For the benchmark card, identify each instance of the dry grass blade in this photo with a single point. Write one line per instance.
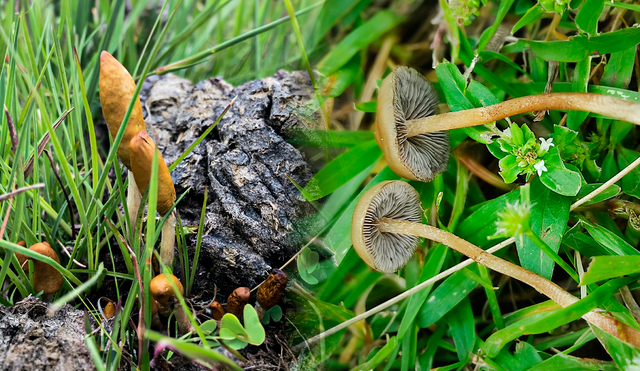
(29, 166)
(12, 194)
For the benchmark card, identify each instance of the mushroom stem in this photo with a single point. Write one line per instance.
(605, 105)
(544, 286)
(184, 325)
(133, 200)
(167, 242)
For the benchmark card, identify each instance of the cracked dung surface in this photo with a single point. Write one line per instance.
(31, 340)
(254, 215)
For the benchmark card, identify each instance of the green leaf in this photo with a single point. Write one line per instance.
(191, 351)
(336, 83)
(509, 168)
(275, 314)
(530, 16)
(579, 84)
(481, 224)
(230, 328)
(489, 32)
(631, 181)
(463, 330)
(609, 192)
(625, 355)
(606, 267)
(208, 327)
(367, 106)
(579, 47)
(619, 68)
(357, 40)
(441, 301)
(330, 138)
(380, 356)
(307, 263)
(253, 326)
(562, 361)
(557, 177)
(342, 169)
(434, 261)
(587, 18)
(549, 217)
(607, 239)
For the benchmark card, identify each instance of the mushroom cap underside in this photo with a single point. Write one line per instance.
(407, 95)
(385, 252)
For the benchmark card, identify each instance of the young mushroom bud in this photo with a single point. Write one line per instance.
(116, 91)
(237, 300)
(272, 289)
(385, 227)
(413, 137)
(45, 277)
(142, 151)
(163, 292)
(217, 311)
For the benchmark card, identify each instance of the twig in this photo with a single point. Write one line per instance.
(451, 270)
(12, 194)
(66, 195)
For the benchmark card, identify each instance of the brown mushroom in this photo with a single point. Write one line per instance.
(45, 277)
(163, 292)
(414, 139)
(272, 289)
(237, 300)
(216, 309)
(117, 88)
(142, 151)
(384, 226)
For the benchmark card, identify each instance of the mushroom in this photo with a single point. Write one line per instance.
(163, 292)
(414, 139)
(385, 230)
(45, 277)
(216, 309)
(142, 150)
(271, 291)
(237, 300)
(116, 91)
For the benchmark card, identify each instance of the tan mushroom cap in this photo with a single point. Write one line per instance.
(385, 252)
(161, 289)
(45, 277)
(407, 95)
(116, 90)
(237, 300)
(142, 150)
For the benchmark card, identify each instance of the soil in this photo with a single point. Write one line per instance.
(31, 339)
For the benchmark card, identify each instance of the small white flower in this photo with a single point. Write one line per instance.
(539, 166)
(545, 144)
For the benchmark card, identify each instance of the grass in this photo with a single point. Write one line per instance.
(435, 312)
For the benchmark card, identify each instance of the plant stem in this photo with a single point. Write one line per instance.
(598, 103)
(543, 285)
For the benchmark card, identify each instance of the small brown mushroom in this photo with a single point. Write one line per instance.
(384, 226)
(217, 311)
(45, 277)
(142, 151)
(116, 91)
(414, 139)
(237, 300)
(164, 294)
(272, 289)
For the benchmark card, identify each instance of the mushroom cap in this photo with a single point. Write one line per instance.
(385, 252)
(116, 90)
(45, 277)
(237, 300)
(407, 95)
(217, 311)
(272, 290)
(142, 149)
(161, 289)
